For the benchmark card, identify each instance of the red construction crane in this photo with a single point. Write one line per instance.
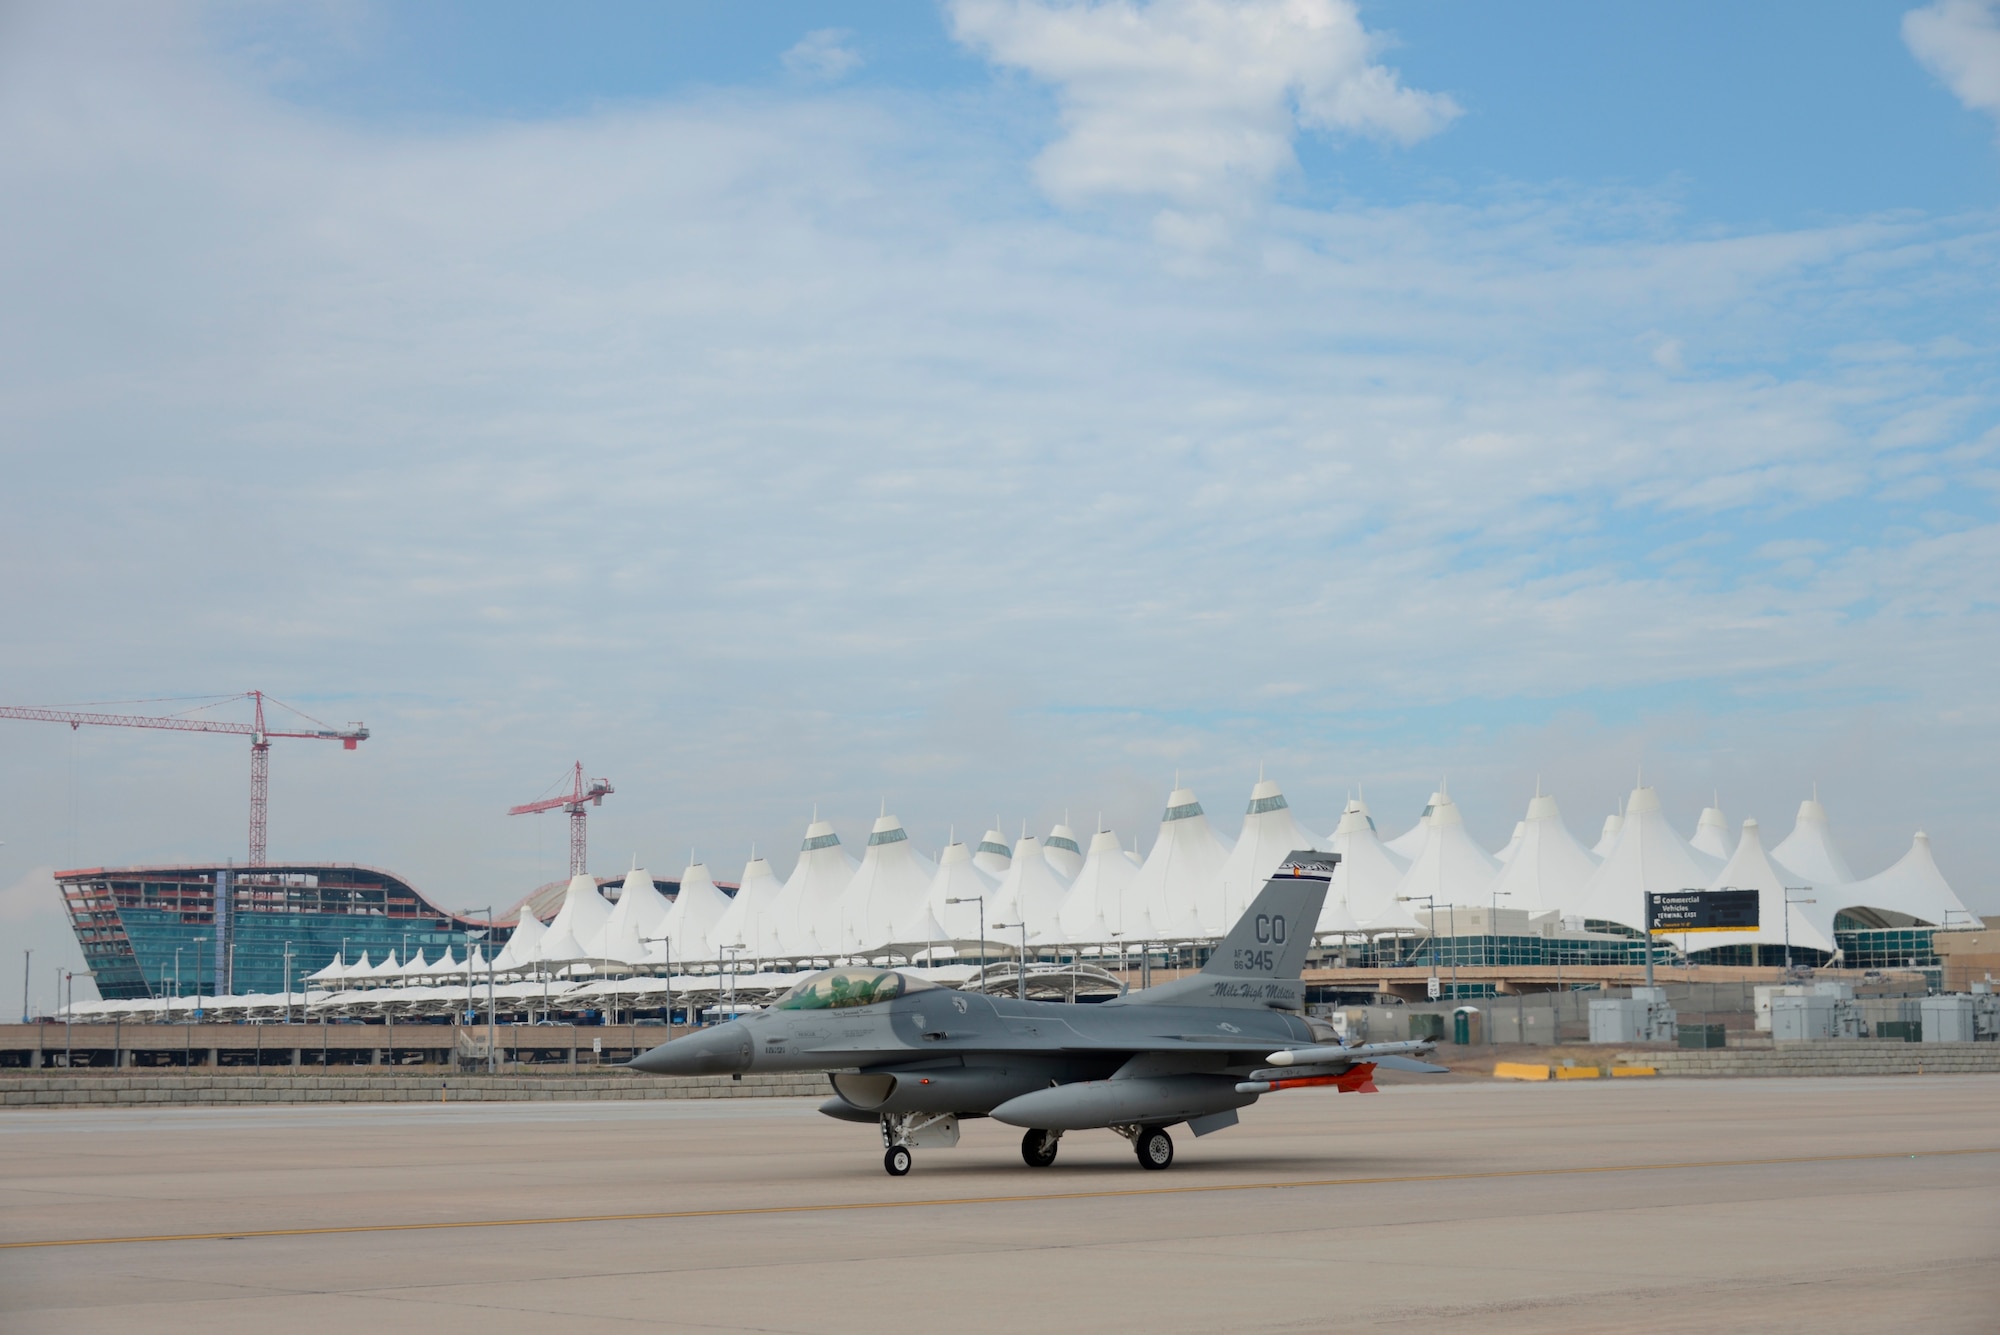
(572, 802)
(260, 743)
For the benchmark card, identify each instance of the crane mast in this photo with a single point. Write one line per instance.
(582, 795)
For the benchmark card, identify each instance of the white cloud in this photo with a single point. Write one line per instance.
(1959, 42)
(751, 451)
(823, 54)
(1195, 101)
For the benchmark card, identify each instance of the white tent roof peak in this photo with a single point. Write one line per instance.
(524, 945)
(1180, 881)
(993, 853)
(1750, 868)
(1607, 839)
(1711, 833)
(1363, 888)
(1513, 842)
(1270, 834)
(1548, 869)
(690, 924)
(1450, 867)
(883, 903)
(578, 927)
(959, 877)
(752, 914)
(1407, 844)
(1809, 850)
(1099, 908)
(808, 909)
(1032, 892)
(1649, 857)
(1914, 885)
(1063, 851)
(640, 905)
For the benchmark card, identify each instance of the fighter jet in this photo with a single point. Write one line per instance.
(917, 1059)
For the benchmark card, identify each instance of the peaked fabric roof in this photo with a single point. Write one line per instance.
(1364, 881)
(578, 930)
(1808, 850)
(1411, 841)
(1450, 868)
(1549, 868)
(1650, 857)
(1270, 833)
(1100, 909)
(959, 877)
(1913, 885)
(524, 944)
(1506, 855)
(1181, 880)
(993, 854)
(1032, 892)
(1064, 853)
(809, 904)
(1711, 834)
(752, 916)
(1607, 838)
(886, 892)
(691, 922)
(1749, 868)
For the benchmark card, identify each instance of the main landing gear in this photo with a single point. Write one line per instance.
(1038, 1148)
(1155, 1148)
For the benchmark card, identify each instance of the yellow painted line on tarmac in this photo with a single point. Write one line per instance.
(1107, 1194)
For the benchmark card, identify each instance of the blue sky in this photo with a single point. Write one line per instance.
(995, 408)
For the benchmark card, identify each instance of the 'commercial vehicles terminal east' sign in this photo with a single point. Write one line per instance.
(1679, 911)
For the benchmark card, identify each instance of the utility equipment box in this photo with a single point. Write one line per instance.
(1814, 1017)
(1644, 1017)
(1704, 1036)
(1950, 1019)
(1427, 1025)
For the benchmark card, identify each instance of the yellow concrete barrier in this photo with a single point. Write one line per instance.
(1577, 1073)
(1634, 1070)
(1519, 1071)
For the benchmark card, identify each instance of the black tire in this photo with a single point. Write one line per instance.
(1038, 1149)
(896, 1160)
(1155, 1149)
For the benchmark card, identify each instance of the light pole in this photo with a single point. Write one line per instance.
(1430, 907)
(27, 962)
(667, 957)
(729, 953)
(1789, 901)
(199, 978)
(69, 981)
(492, 1023)
(1022, 981)
(1493, 927)
(981, 901)
(288, 982)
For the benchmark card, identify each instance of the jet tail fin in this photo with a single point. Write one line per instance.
(1259, 962)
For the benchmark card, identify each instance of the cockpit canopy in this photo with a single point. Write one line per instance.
(836, 989)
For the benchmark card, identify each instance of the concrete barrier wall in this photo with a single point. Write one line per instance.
(136, 1088)
(1832, 1057)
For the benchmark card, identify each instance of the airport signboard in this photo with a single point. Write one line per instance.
(1677, 911)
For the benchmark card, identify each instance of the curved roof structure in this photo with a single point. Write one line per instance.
(809, 904)
(1912, 885)
(1062, 850)
(690, 924)
(993, 856)
(885, 895)
(1549, 868)
(1711, 834)
(578, 930)
(1270, 833)
(1450, 868)
(1607, 838)
(959, 877)
(1649, 857)
(1750, 868)
(1031, 892)
(1181, 880)
(1362, 890)
(1411, 841)
(640, 913)
(1099, 909)
(752, 916)
(1808, 851)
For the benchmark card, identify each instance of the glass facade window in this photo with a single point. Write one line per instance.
(820, 841)
(1258, 806)
(895, 836)
(1182, 812)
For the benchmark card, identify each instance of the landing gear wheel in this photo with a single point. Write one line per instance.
(1038, 1148)
(1155, 1147)
(897, 1160)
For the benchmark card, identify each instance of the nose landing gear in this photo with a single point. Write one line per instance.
(896, 1160)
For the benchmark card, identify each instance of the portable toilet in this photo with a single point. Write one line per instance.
(1466, 1027)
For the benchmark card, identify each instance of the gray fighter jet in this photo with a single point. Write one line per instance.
(917, 1058)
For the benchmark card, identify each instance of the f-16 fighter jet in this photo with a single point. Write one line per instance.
(917, 1058)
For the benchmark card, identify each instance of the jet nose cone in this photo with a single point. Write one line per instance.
(717, 1051)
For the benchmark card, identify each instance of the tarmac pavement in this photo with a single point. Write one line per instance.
(1643, 1205)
